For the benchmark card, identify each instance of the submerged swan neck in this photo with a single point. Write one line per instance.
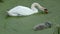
(34, 5)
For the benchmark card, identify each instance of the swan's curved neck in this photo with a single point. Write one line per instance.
(33, 6)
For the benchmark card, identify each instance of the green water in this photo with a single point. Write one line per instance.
(23, 25)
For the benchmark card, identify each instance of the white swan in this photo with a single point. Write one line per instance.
(24, 11)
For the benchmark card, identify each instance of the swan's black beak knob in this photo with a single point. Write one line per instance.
(46, 11)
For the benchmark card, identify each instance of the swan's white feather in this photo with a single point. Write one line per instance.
(21, 11)
(24, 11)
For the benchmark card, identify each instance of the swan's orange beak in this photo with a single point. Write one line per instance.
(46, 11)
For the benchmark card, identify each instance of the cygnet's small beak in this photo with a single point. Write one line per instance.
(46, 11)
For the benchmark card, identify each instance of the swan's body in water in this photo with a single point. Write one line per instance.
(25, 11)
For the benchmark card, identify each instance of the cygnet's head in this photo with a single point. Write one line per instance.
(48, 24)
